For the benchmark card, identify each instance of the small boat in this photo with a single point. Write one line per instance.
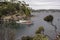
(28, 22)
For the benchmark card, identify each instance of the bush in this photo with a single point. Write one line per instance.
(41, 29)
(40, 37)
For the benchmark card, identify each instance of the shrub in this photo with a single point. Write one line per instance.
(41, 29)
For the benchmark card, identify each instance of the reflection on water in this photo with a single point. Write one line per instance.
(38, 21)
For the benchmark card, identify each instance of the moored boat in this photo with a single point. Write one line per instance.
(27, 22)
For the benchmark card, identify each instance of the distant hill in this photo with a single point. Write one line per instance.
(52, 10)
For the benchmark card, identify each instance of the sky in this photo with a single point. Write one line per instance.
(43, 4)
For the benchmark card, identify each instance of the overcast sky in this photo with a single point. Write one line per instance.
(44, 4)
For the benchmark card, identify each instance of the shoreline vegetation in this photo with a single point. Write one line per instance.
(14, 11)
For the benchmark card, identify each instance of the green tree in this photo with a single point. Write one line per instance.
(25, 9)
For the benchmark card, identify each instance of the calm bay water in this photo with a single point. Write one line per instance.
(38, 21)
